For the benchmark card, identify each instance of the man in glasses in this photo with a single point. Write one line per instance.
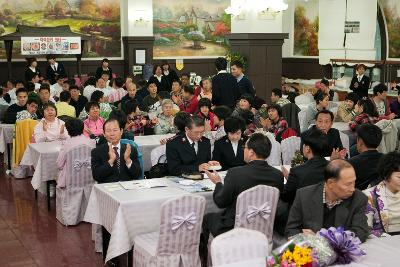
(190, 152)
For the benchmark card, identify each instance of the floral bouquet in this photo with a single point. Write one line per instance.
(327, 247)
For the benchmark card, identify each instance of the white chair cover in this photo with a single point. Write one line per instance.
(156, 155)
(345, 141)
(72, 200)
(177, 243)
(255, 209)
(240, 247)
(302, 118)
(389, 136)
(289, 147)
(274, 158)
(304, 99)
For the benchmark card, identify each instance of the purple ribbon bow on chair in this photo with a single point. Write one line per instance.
(78, 164)
(189, 220)
(264, 211)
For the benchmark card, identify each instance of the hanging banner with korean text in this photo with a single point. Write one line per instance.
(50, 45)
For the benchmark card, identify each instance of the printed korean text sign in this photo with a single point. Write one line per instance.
(50, 45)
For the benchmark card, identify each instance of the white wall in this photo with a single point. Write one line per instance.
(131, 12)
(249, 22)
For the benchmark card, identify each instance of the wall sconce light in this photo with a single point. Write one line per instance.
(141, 18)
(266, 9)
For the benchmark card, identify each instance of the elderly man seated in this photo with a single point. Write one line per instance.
(332, 203)
(189, 152)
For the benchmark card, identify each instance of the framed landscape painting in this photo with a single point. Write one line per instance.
(190, 28)
(99, 19)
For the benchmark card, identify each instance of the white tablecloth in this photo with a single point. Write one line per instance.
(380, 252)
(147, 143)
(43, 157)
(128, 213)
(6, 137)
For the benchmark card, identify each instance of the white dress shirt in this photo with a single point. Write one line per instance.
(118, 146)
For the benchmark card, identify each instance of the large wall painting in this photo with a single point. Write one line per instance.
(99, 19)
(306, 21)
(190, 28)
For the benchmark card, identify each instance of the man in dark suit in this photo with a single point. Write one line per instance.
(238, 179)
(189, 152)
(245, 85)
(225, 90)
(228, 150)
(113, 161)
(312, 171)
(54, 69)
(365, 164)
(105, 67)
(360, 83)
(332, 203)
(324, 122)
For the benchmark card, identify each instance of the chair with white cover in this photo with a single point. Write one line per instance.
(255, 209)
(239, 247)
(345, 141)
(289, 147)
(177, 242)
(274, 158)
(389, 136)
(302, 119)
(157, 154)
(304, 99)
(72, 200)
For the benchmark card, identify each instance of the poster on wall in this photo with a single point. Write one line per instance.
(306, 21)
(99, 19)
(50, 45)
(190, 28)
(391, 10)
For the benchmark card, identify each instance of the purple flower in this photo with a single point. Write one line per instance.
(345, 244)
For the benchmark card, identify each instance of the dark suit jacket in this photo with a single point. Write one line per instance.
(104, 173)
(246, 87)
(170, 78)
(333, 139)
(237, 180)
(366, 165)
(99, 72)
(363, 86)
(225, 90)
(161, 86)
(309, 173)
(223, 153)
(51, 73)
(181, 156)
(29, 74)
(307, 212)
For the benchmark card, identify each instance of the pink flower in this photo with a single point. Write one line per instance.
(270, 261)
(284, 264)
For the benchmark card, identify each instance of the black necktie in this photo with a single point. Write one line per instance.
(194, 149)
(117, 159)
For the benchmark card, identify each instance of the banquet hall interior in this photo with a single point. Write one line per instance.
(199, 133)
